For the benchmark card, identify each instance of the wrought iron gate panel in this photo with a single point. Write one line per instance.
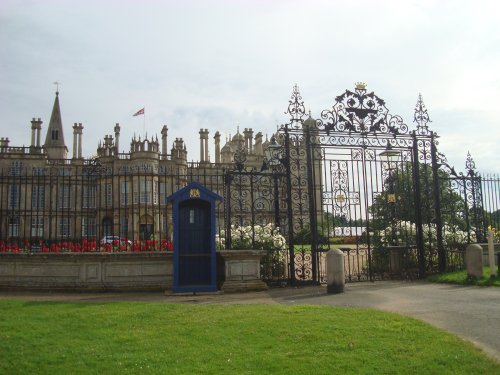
(462, 213)
(255, 210)
(348, 181)
(302, 259)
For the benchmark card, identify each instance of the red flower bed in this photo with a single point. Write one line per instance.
(86, 246)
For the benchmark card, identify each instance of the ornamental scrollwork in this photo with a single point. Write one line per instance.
(362, 113)
(240, 158)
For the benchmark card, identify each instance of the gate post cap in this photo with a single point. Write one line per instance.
(335, 251)
(474, 246)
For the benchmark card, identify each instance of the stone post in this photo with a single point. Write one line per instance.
(335, 274)
(491, 254)
(396, 258)
(474, 260)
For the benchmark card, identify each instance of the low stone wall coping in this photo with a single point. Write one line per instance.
(86, 271)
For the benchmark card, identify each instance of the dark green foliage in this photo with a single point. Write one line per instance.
(304, 236)
(400, 183)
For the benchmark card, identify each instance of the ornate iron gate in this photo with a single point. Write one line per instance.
(358, 179)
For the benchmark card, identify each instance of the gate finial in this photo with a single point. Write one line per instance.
(470, 165)
(296, 107)
(421, 117)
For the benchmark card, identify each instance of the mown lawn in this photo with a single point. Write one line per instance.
(117, 338)
(461, 278)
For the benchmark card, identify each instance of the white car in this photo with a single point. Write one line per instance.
(115, 239)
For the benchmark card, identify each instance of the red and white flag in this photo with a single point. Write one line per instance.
(139, 112)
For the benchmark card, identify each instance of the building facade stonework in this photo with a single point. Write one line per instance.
(47, 195)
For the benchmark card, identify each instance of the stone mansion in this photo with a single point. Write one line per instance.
(50, 193)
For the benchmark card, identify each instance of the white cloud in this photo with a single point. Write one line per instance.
(211, 64)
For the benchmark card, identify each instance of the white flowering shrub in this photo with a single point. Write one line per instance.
(260, 237)
(404, 233)
(257, 237)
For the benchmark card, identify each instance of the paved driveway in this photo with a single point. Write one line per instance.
(472, 313)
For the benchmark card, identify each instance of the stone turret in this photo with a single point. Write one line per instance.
(77, 140)
(4, 144)
(266, 143)
(217, 147)
(248, 135)
(164, 134)
(258, 144)
(36, 127)
(179, 152)
(310, 124)
(117, 137)
(107, 148)
(54, 141)
(144, 149)
(203, 145)
(238, 140)
(227, 154)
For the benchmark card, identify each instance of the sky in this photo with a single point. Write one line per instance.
(222, 64)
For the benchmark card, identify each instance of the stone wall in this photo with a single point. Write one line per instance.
(87, 272)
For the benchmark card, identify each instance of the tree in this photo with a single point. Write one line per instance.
(397, 201)
(492, 219)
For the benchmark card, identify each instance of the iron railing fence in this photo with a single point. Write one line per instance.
(68, 202)
(357, 178)
(490, 187)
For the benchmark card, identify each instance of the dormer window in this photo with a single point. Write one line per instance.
(55, 135)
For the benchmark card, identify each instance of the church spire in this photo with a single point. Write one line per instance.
(54, 140)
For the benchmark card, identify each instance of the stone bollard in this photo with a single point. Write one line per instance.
(491, 254)
(396, 258)
(335, 276)
(474, 260)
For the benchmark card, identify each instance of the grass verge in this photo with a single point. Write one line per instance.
(461, 278)
(117, 338)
